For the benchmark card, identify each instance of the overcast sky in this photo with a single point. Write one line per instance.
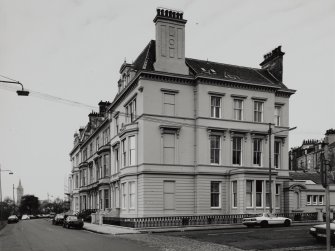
(73, 50)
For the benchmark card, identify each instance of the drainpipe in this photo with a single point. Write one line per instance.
(195, 138)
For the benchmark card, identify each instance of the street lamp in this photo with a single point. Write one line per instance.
(19, 92)
(10, 172)
(270, 160)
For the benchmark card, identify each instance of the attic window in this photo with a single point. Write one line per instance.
(203, 69)
(212, 71)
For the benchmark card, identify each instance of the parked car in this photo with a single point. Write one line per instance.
(58, 219)
(73, 221)
(266, 219)
(25, 217)
(319, 231)
(12, 219)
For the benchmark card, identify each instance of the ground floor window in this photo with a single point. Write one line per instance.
(259, 193)
(106, 198)
(234, 194)
(169, 195)
(132, 193)
(277, 195)
(215, 194)
(124, 196)
(249, 193)
(315, 200)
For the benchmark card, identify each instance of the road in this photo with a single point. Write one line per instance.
(41, 235)
(258, 238)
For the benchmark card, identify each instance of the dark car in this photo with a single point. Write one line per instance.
(73, 221)
(12, 219)
(319, 231)
(58, 219)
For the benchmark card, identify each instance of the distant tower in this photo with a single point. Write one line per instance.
(19, 193)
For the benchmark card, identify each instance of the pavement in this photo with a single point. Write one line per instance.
(118, 230)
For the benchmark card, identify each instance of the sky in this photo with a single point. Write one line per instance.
(69, 51)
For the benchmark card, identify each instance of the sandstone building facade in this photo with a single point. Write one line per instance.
(184, 136)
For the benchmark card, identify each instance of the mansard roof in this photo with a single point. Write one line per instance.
(208, 69)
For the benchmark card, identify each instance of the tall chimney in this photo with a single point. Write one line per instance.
(273, 61)
(170, 41)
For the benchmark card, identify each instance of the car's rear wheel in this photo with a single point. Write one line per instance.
(287, 223)
(264, 224)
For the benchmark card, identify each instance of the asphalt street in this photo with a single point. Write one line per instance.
(41, 235)
(258, 238)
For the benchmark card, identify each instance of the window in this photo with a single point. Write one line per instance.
(116, 157)
(169, 104)
(132, 151)
(131, 111)
(277, 116)
(315, 199)
(97, 169)
(237, 150)
(267, 195)
(238, 109)
(215, 107)
(100, 199)
(215, 149)
(169, 195)
(234, 194)
(117, 197)
(277, 195)
(258, 111)
(85, 154)
(309, 199)
(168, 148)
(124, 153)
(106, 136)
(277, 154)
(257, 154)
(106, 198)
(215, 194)
(132, 190)
(83, 177)
(259, 193)
(91, 149)
(97, 143)
(76, 181)
(117, 125)
(91, 174)
(249, 195)
(105, 166)
(124, 196)
(321, 199)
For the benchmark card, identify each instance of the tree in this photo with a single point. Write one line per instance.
(7, 208)
(29, 205)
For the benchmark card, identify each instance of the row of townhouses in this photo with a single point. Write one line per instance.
(186, 136)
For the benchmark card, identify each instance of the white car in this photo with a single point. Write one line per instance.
(25, 217)
(266, 219)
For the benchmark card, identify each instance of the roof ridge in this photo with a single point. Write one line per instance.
(264, 77)
(226, 64)
(147, 55)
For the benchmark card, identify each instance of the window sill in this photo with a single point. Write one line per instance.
(215, 208)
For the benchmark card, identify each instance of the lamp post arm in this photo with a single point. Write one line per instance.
(12, 82)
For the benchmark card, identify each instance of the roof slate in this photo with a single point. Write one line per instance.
(221, 71)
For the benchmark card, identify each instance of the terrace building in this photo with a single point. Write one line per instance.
(185, 136)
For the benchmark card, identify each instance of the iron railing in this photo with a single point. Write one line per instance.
(180, 221)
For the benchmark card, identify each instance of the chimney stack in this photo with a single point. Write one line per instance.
(273, 61)
(170, 41)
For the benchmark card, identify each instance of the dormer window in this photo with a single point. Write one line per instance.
(203, 69)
